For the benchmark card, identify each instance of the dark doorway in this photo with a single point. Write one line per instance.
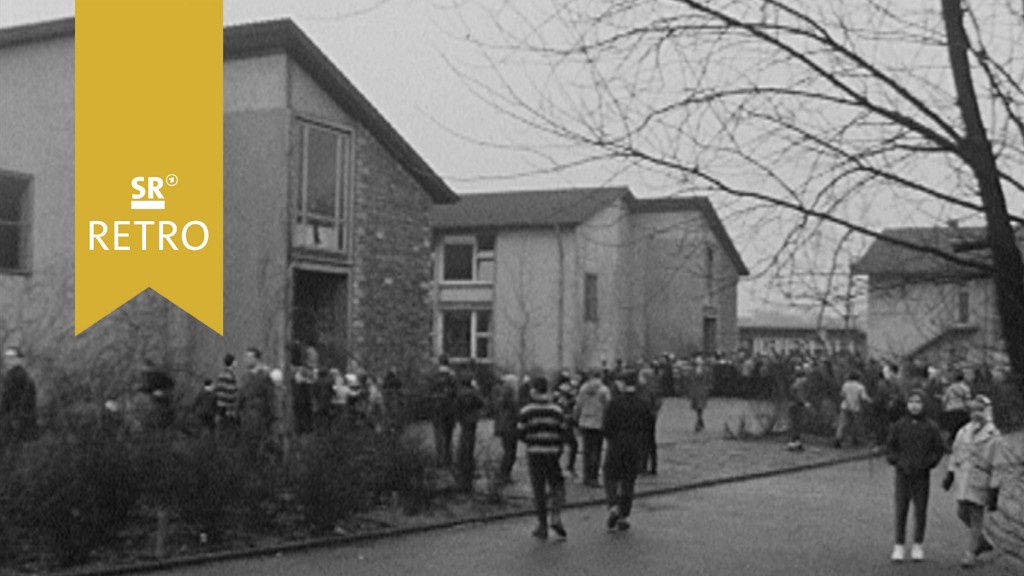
(320, 315)
(710, 335)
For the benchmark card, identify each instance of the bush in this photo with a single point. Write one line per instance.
(74, 492)
(406, 473)
(336, 471)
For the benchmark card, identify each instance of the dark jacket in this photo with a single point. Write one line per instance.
(915, 445)
(625, 429)
(17, 405)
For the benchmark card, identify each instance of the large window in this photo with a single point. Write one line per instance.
(469, 258)
(321, 211)
(590, 298)
(466, 334)
(14, 222)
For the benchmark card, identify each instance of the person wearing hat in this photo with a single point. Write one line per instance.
(970, 475)
(914, 447)
(625, 429)
(542, 428)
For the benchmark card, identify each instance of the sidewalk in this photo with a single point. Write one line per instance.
(686, 460)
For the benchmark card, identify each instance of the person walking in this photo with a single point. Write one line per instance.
(17, 399)
(542, 428)
(955, 398)
(625, 429)
(799, 406)
(700, 389)
(970, 475)
(651, 394)
(468, 406)
(851, 410)
(591, 403)
(442, 397)
(506, 415)
(565, 396)
(914, 447)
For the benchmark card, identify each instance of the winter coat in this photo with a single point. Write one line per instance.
(915, 445)
(700, 388)
(972, 462)
(591, 403)
(625, 428)
(506, 407)
(17, 405)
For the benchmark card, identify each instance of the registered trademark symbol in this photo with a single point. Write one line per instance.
(172, 180)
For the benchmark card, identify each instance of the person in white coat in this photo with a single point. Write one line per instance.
(970, 475)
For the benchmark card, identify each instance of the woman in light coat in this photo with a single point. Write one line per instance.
(970, 474)
(591, 402)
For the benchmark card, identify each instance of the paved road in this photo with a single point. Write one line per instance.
(832, 521)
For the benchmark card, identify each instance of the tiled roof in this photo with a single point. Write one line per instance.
(886, 258)
(525, 209)
(284, 36)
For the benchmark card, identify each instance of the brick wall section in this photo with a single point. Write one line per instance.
(391, 314)
(1006, 526)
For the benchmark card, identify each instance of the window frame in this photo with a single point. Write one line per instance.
(478, 256)
(474, 334)
(344, 188)
(24, 226)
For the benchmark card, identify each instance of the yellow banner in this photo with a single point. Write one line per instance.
(149, 129)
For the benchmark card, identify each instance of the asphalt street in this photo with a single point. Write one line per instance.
(831, 521)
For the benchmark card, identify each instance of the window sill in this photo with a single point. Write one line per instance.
(314, 255)
(465, 283)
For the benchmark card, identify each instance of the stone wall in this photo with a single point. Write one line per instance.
(391, 312)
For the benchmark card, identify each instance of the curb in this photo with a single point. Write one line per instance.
(328, 541)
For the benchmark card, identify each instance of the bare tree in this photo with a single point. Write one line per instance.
(850, 117)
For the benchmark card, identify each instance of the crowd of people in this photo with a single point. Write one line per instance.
(605, 418)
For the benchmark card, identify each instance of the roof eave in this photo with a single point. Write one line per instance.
(274, 36)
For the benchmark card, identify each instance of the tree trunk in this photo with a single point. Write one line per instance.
(976, 149)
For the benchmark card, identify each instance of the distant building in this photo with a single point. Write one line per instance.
(922, 306)
(783, 335)
(577, 277)
(326, 232)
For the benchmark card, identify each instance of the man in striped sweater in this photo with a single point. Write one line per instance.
(542, 428)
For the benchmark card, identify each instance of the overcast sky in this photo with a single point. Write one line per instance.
(400, 54)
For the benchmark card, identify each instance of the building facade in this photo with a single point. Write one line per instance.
(774, 337)
(327, 238)
(920, 306)
(541, 280)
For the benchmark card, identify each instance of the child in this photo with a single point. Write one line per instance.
(914, 447)
(542, 428)
(970, 470)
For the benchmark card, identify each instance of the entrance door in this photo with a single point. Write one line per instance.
(320, 315)
(710, 335)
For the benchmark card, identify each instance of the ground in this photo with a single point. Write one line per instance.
(834, 521)
(831, 520)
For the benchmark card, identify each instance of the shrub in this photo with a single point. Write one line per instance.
(336, 469)
(408, 460)
(208, 478)
(74, 492)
